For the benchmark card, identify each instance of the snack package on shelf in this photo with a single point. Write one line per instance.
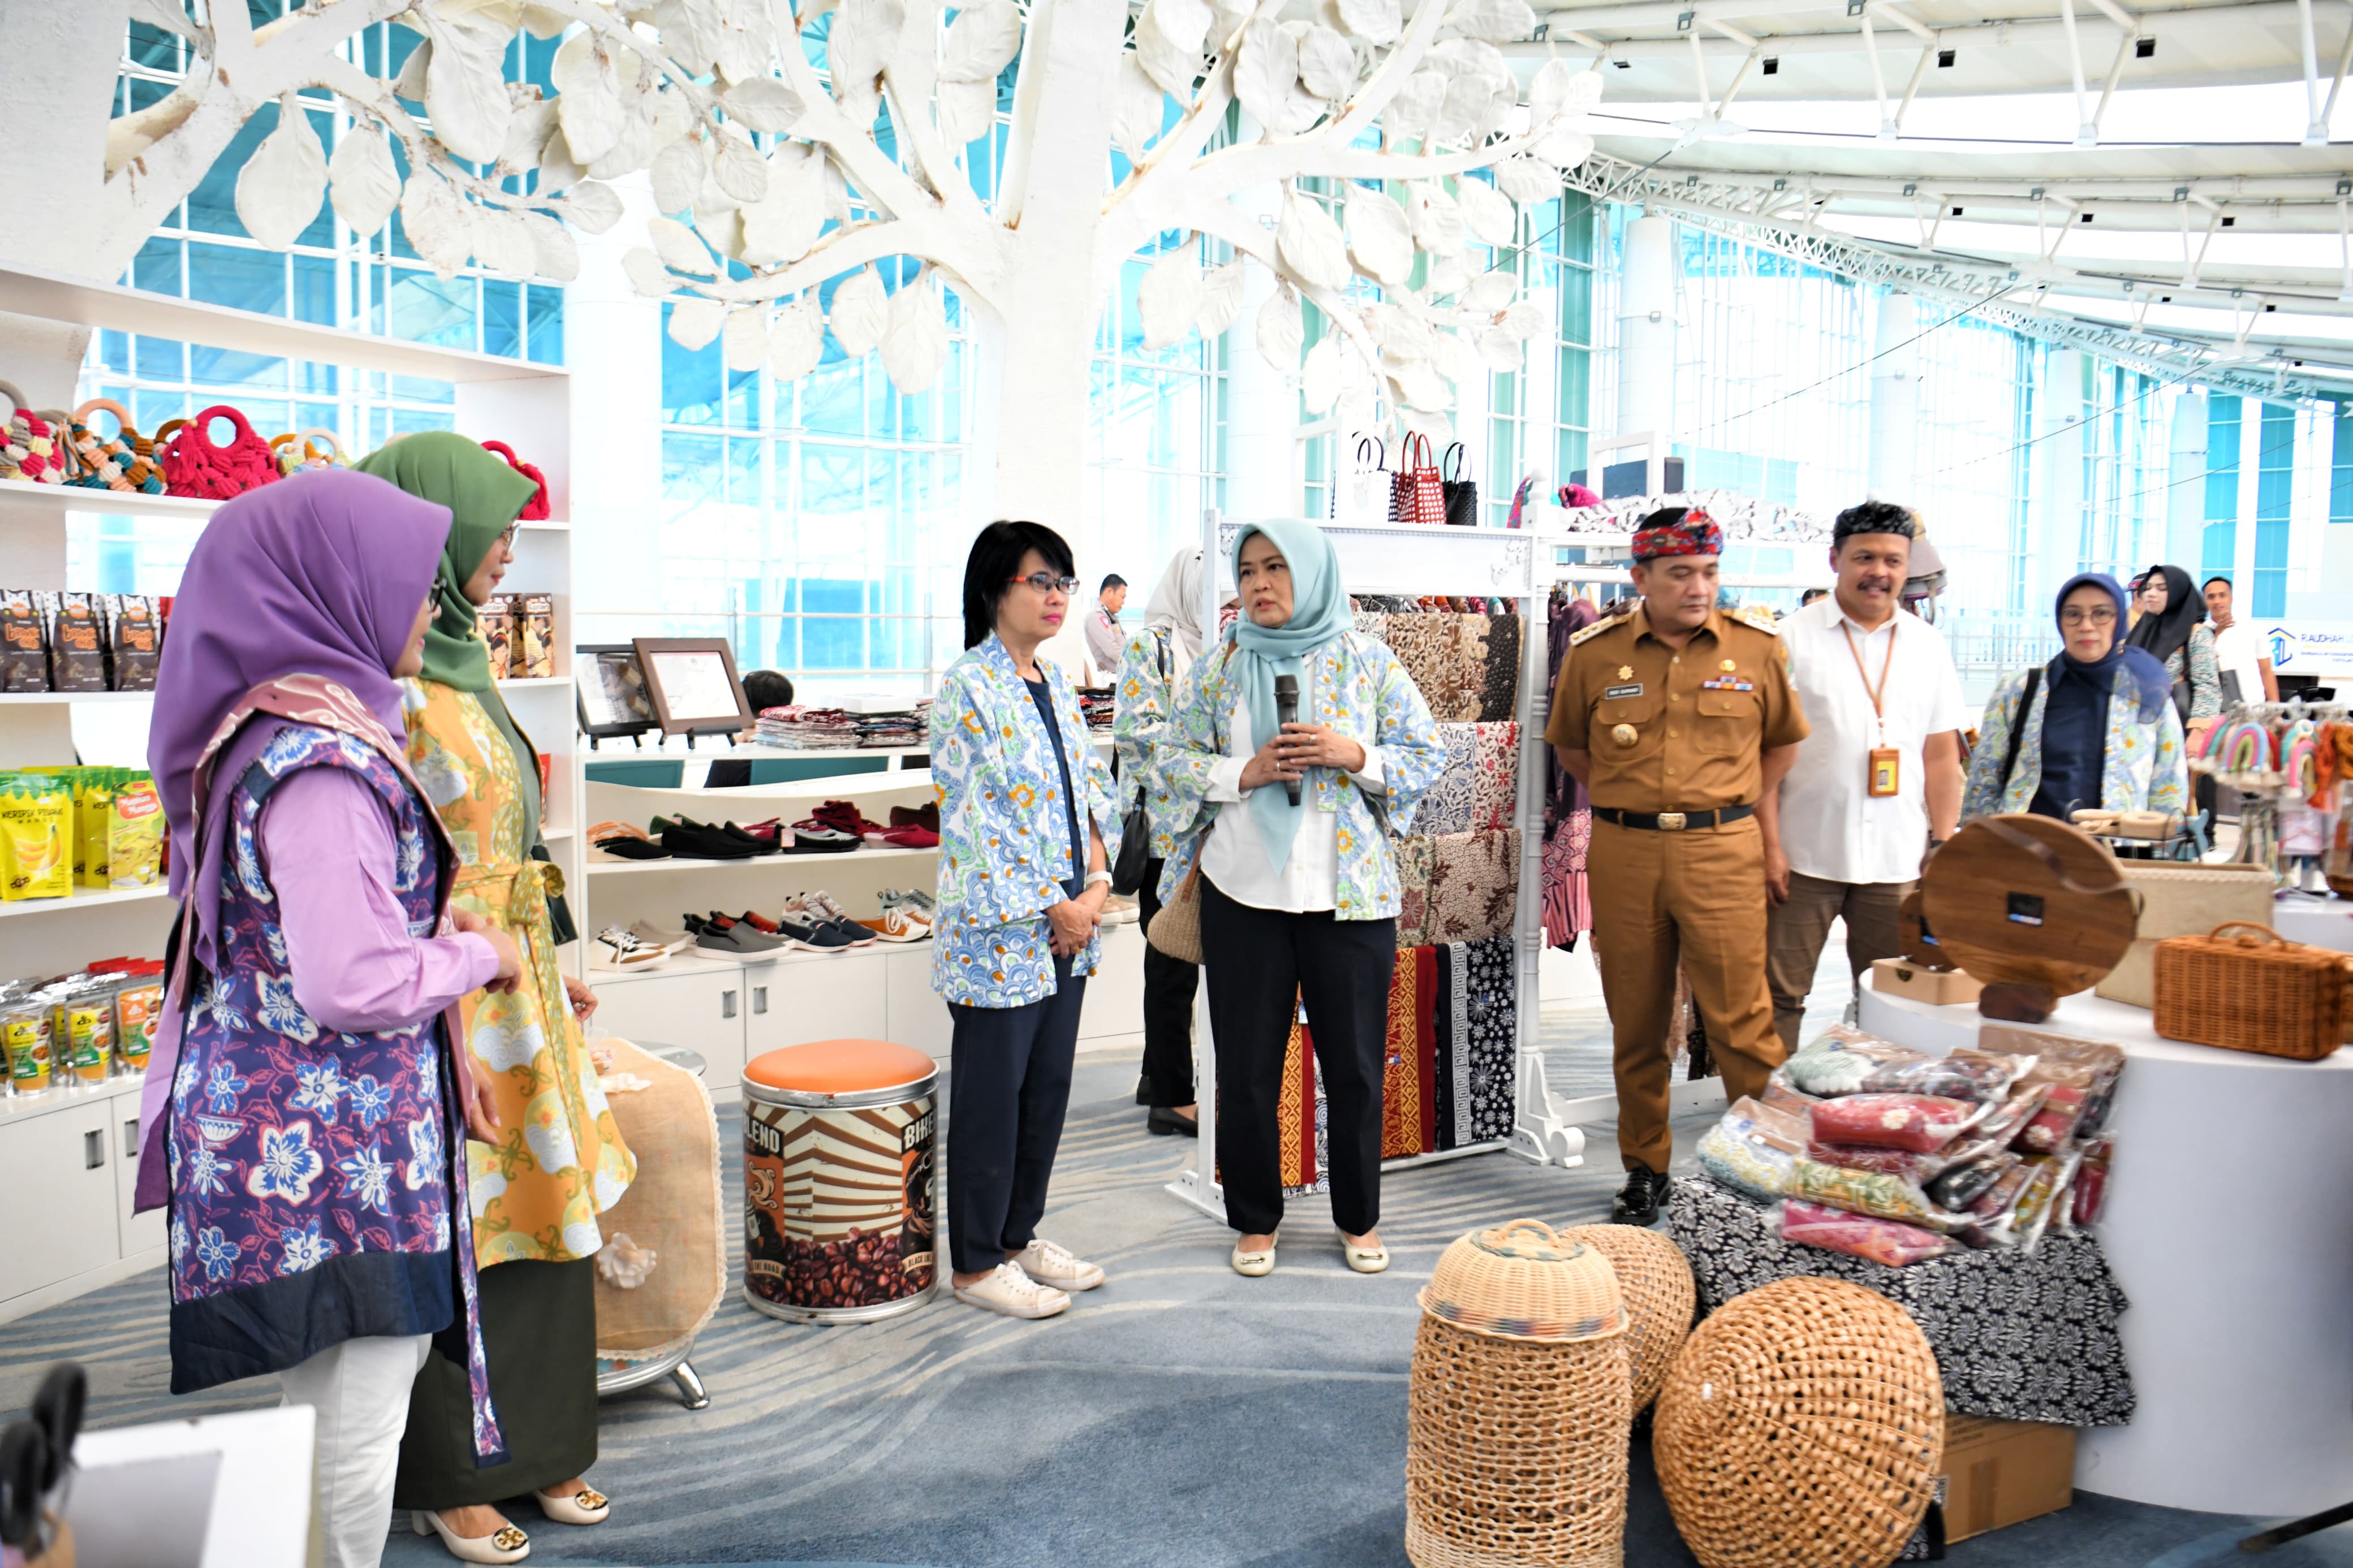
(536, 634)
(135, 833)
(36, 837)
(1878, 1193)
(1887, 1241)
(81, 1027)
(24, 1035)
(23, 641)
(1921, 1122)
(77, 643)
(138, 1014)
(1752, 1148)
(134, 641)
(497, 618)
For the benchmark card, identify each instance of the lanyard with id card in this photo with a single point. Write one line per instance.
(1885, 773)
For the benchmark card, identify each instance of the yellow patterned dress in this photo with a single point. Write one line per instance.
(560, 1161)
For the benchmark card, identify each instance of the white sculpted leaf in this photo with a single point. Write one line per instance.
(1185, 23)
(747, 41)
(857, 314)
(1486, 212)
(543, 21)
(690, 33)
(797, 341)
(863, 38)
(1458, 359)
(1445, 277)
(1221, 298)
(281, 187)
(1227, 20)
(502, 243)
(740, 170)
(466, 84)
(1375, 21)
(722, 230)
(763, 104)
(836, 192)
(1378, 235)
(694, 322)
(1169, 298)
(557, 257)
(1281, 329)
(1500, 349)
(1415, 107)
(981, 42)
(674, 116)
(1421, 386)
(1403, 337)
(1524, 320)
(1136, 109)
(1565, 149)
(1497, 21)
(1264, 73)
(593, 208)
(914, 335)
(646, 273)
(1469, 57)
(1463, 108)
(1327, 65)
(367, 184)
(1525, 181)
(1309, 243)
(1491, 291)
(784, 223)
(1169, 61)
(678, 174)
(744, 341)
(410, 83)
(434, 218)
(633, 149)
(558, 170)
(1549, 91)
(680, 249)
(590, 114)
(1437, 221)
(527, 132)
(1319, 378)
(967, 110)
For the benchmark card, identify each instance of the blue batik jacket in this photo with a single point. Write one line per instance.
(2142, 767)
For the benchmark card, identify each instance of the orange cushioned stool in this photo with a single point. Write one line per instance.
(838, 1160)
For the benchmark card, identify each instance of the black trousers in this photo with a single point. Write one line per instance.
(539, 1332)
(1008, 1087)
(1168, 984)
(1259, 963)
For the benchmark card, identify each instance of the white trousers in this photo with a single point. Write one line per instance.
(360, 1390)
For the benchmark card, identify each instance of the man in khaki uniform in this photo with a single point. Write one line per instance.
(1676, 718)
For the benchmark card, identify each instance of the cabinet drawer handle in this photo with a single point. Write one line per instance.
(130, 1139)
(93, 1150)
(727, 1004)
(759, 998)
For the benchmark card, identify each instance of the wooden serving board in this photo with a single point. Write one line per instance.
(2029, 906)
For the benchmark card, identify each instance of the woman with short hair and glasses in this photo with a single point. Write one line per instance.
(2093, 728)
(1026, 827)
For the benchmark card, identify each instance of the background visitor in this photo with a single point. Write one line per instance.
(1104, 636)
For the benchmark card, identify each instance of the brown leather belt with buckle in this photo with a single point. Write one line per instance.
(1673, 821)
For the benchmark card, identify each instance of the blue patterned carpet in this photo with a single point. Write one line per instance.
(1179, 1416)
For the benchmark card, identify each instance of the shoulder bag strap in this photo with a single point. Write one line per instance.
(2018, 726)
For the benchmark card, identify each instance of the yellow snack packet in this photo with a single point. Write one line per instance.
(24, 1035)
(35, 829)
(134, 834)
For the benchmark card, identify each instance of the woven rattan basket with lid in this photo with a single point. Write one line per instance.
(2244, 987)
(1802, 1426)
(1654, 1280)
(1519, 1405)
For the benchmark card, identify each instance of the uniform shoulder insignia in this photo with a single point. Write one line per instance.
(1607, 623)
(1760, 618)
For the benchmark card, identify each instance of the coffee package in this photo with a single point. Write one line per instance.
(134, 641)
(536, 632)
(497, 618)
(23, 641)
(77, 643)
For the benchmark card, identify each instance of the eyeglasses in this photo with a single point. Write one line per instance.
(1045, 582)
(2099, 615)
(508, 538)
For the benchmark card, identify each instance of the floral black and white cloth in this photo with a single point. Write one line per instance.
(2018, 1336)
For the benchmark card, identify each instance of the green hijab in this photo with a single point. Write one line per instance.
(484, 497)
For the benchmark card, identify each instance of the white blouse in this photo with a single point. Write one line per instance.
(1235, 856)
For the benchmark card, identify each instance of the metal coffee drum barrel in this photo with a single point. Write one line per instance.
(838, 1217)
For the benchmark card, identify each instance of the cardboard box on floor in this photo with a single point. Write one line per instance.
(1999, 1473)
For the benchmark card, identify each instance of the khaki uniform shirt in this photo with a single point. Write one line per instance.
(1675, 730)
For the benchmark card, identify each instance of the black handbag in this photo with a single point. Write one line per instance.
(1462, 494)
(1135, 830)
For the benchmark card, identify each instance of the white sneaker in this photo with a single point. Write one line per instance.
(1005, 1290)
(902, 922)
(622, 950)
(1044, 1261)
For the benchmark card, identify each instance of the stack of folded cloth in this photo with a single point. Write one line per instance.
(801, 727)
(880, 730)
(1098, 706)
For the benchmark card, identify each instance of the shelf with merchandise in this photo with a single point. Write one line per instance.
(83, 899)
(602, 865)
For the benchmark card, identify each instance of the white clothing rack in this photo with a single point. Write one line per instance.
(1417, 561)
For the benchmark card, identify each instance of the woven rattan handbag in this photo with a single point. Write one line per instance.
(1177, 929)
(2258, 992)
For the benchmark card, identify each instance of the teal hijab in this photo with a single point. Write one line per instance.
(1319, 613)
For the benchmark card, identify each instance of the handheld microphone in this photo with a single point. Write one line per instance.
(1286, 711)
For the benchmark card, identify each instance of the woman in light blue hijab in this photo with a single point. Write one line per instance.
(1285, 828)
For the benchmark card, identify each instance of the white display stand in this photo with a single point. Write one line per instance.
(2225, 1227)
(76, 1147)
(1421, 561)
(2319, 922)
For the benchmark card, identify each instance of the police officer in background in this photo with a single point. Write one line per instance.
(1676, 717)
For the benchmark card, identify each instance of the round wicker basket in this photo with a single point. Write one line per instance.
(1802, 1426)
(1518, 1408)
(1655, 1282)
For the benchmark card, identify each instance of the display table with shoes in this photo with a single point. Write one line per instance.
(2224, 1229)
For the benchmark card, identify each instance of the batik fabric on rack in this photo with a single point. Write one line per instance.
(1568, 910)
(1473, 1025)
(1480, 788)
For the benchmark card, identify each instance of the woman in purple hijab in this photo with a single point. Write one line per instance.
(302, 1114)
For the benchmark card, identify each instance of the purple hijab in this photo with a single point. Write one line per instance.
(321, 573)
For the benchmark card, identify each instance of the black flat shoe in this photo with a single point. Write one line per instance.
(1644, 1194)
(1163, 1123)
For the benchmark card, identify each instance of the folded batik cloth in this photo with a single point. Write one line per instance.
(1474, 885)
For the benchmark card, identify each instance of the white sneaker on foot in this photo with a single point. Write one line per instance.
(1049, 1264)
(1006, 1289)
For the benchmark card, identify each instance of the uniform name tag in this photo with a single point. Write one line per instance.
(1617, 691)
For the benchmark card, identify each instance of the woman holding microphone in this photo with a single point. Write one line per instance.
(1295, 746)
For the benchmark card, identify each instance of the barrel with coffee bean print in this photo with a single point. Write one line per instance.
(839, 1219)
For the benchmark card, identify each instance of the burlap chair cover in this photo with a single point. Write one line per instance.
(676, 1207)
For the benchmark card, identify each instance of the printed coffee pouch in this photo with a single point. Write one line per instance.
(24, 642)
(135, 634)
(77, 644)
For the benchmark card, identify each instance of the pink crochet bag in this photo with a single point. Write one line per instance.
(535, 509)
(193, 466)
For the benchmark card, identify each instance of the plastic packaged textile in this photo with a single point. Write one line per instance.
(2045, 1193)
(2051, 1128)
(36, 837)
(1751, 1149)
(1795, 1102)
(1839, 1061)
(2090, 1064)
(1974, 1076)
(1886, 1241)
(2091, 1184)
(1873, 1192)
(1921, 1122)
(1900, 1162)
(1958, 1188)
(2002, 1123)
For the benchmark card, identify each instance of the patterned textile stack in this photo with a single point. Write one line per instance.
(903, 728)
(801, 727)
(1098, 706)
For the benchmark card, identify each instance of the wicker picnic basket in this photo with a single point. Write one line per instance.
(1655, 1282)
(1518, 1406)
(1802, 1426)
(2258, 993)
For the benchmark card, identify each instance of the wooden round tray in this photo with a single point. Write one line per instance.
(2036, 909)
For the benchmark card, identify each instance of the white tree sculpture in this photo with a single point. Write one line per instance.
(755, 158)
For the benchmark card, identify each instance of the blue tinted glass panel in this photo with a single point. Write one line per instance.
(2222, 428)
(690, 380)
(2340, 471)
(502, 317)
(546, 324)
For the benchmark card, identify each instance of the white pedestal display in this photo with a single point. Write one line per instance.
(2238, 1335)
(2321, 924)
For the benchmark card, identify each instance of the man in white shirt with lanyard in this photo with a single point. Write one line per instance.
(1878, 782)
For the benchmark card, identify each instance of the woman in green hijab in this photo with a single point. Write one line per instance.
(560, 1162)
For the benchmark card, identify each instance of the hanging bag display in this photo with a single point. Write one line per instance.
(1135, 832)
(1360, 497)
(534, 509)
(1425, 493)
(193, 466)
(127, 462)
(1461, 495)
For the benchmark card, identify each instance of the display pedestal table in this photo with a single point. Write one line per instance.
(2223, 1228)
(2322, 923)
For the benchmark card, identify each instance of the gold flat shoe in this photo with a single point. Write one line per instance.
(1365, 1260)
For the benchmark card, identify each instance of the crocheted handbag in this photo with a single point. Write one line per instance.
(125, 462)
(1424, 500)
(293, 459)
(535, 509)
(28, 446)
(193, 466)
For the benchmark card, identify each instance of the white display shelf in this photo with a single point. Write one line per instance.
(526, 682)
(66, 1096)
(83, 899)
(615, 867)
(40, 698)
(697, 961)
(116, 503)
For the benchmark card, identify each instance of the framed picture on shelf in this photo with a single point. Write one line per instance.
(611, 692)
(693, 685)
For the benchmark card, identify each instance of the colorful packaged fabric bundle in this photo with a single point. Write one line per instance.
(1752, 1148)
(2050, 1129)
(2092, 1183)
(1921, 1122)
(1962, 1185)
(1899, 1162)
(1840, 1061)
(2092, 1066)
(1974, 1076)
(2003, 1123)
(1879, 1194)
(36, 837)
(1887, 1241)
(1780, 1097)
(2044, 1193)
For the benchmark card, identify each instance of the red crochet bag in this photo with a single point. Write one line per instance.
(193, 466)
(535, 509)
